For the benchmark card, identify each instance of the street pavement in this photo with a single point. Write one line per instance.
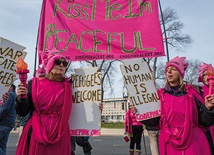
(109, 143)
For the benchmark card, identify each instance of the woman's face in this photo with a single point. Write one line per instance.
(59, 67)
(205, 77)
(172, 76)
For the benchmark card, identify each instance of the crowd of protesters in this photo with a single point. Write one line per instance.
(184, 127)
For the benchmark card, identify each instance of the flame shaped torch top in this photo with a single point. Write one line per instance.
(22, 72)
(210, 79)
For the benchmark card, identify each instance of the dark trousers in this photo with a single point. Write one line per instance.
(4, 135)
(137, 131)
(84, 143)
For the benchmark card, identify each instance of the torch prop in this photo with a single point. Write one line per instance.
(22, 72)
(210, 79)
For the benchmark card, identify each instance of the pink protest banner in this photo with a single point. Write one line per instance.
(105, 29)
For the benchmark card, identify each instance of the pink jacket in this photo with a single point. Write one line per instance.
(180, 131)
(130, 120)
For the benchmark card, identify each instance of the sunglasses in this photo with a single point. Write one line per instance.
(58, 62)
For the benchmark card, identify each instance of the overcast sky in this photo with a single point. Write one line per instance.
(19, 23)
(198, 20)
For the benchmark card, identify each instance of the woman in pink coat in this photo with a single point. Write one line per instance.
(204, 90)
(134, 130)
(49, 101)
(183, 114)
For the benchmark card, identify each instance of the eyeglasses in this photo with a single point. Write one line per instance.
(58, 62)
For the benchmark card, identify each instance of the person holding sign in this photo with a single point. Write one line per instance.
(40, 73)
(204, 90)
(134, 130)
(183, 114)
(49, 100)
(7, 118)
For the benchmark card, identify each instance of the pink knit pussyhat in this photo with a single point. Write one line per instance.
(179, 64)
(49, 57)
(202, 68)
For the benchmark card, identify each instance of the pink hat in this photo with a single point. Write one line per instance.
(179, 64)
(202, 68)
(49, 57)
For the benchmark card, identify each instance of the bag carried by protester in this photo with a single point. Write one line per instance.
(126, 138)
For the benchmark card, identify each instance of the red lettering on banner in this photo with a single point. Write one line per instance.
(95, 132)
(85, 132)
(148, 115)
(79, 132)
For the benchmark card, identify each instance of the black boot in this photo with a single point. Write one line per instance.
(87, 148)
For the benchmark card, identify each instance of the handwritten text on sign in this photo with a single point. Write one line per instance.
(9, 53)
(110, 29)
(141, 89)
(85, 115)
(86, 81)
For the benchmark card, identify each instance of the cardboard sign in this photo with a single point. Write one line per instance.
(9, 53)
(85, 116)
(141, 89)
(99, 30)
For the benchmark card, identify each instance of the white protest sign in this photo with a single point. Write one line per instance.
(85, 115)
(9, 53)
(141, 89)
